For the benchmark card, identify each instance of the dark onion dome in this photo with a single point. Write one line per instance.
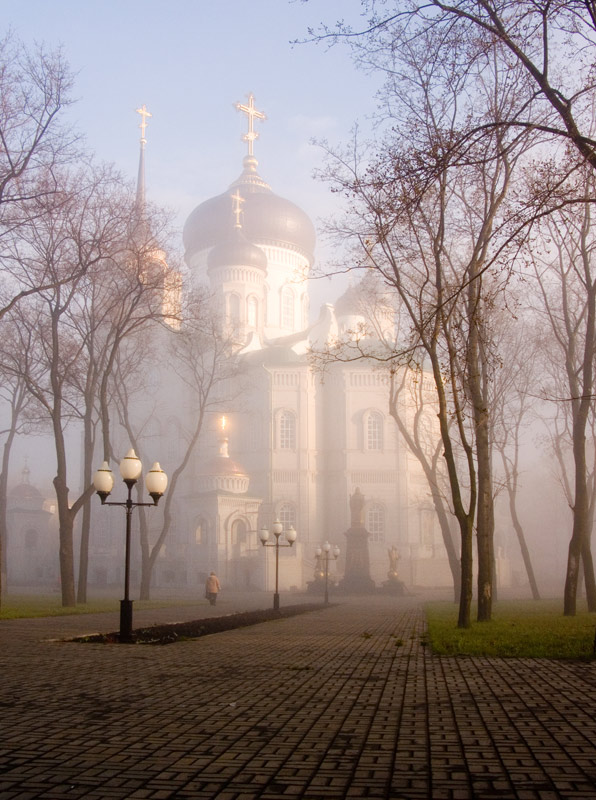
(267, 218)
(24, 496)
(235, 250)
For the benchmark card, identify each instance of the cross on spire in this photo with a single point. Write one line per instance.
(237, 209)
(252, 114)
(144, 114)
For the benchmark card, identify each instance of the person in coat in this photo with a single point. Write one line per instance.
(212, 587)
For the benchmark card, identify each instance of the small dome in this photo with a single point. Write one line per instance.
(221, 473)
(25, 496)
(267, 218)
(236, 251)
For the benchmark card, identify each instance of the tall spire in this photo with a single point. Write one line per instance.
(141, 177)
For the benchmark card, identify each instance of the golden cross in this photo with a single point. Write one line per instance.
(144, 114)
(238, 200)
(252, 114)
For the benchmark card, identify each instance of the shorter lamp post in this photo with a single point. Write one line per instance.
(324, 552)
(156, 482)
(264, 536)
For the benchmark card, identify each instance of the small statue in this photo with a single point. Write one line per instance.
(357, 509)
(393, 559)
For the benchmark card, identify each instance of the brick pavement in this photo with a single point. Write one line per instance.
(346, 702)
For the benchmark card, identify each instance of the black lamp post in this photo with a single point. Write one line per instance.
(324, 552)
(291, 538)
(156, 482)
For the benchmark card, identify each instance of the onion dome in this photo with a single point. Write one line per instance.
(268, 218)
(24, 496)
(235, 250)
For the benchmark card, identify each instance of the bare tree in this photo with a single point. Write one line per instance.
(540, 39)
(125, 293)
(512, 399)
(15, 352)
(88, 231)
(440, 233)
(566, 282)
(198, 358)
(34, 145)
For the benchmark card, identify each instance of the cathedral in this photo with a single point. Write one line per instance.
(296, 444)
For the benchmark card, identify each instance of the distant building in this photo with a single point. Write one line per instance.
(32, 540)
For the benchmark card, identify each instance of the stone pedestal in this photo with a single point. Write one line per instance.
(357, 578)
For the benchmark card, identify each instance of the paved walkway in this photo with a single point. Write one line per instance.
(345, 702)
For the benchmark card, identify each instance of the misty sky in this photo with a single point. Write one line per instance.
(189, 61)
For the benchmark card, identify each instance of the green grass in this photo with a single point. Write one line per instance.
(520, 629)
(34, 605)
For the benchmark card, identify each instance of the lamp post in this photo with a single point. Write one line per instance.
(156, 482)
(291, 538)
(324, 551)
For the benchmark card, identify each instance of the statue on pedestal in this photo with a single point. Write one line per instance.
(357, 572)
(393, 585)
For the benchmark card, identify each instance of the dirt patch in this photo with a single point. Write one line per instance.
(179, 631)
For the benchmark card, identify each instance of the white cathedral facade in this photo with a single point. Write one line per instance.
(296, 445)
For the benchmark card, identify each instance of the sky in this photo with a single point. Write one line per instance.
(189, 62)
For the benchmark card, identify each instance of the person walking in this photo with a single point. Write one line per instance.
(212, 587)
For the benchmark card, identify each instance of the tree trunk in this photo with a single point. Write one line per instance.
(467, 559)
(67, 581)
(522, 543)
(578, 543)
(88, 445)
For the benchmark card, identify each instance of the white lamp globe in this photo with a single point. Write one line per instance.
(130, 466)
(291, 534)
(156, 480)
(263, 535)
(103, 480)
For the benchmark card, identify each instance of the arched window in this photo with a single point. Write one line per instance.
(375, 522)
(252, 312)
(374, 431)
(287, 431)
(287, 515)
(233, 309)
(201, 531)
(287, 308)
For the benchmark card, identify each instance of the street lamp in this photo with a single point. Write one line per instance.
(324, 551)
(291, 538)
(156, 482)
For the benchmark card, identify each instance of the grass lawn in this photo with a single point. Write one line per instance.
(38, 605)
(520, 629)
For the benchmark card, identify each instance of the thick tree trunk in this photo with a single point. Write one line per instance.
(578, 542)
(467, 560)
(485, 524)
(86, 519)
(67, 581)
